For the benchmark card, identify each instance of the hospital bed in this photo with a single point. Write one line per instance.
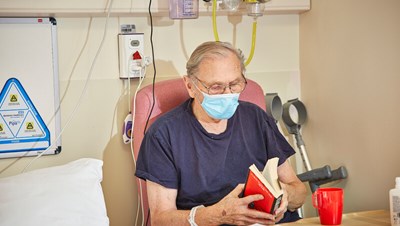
(65, 195)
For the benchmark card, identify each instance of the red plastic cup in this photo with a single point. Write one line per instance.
(329, 202)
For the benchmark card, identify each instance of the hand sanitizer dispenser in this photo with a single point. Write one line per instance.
(394, 197)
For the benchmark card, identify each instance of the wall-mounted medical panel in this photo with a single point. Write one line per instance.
(75, 8)
(29, 87)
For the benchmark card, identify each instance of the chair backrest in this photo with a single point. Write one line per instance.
(167, 95)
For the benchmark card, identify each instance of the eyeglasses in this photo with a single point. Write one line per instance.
(234, 87)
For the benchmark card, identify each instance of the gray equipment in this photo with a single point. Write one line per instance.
(294, 114)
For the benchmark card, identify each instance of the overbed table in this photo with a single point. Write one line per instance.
(365, 218)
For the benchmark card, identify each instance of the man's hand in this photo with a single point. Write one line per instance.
(234, 210)
(279, 213)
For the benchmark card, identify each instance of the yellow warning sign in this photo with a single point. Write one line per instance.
(13, 98)
(29, 125)
(1, 127)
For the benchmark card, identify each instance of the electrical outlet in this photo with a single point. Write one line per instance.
(131, 55)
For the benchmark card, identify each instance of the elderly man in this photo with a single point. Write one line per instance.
(195, 158)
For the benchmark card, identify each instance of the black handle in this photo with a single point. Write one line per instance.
(316, 174)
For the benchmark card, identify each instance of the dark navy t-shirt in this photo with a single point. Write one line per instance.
(177, 152)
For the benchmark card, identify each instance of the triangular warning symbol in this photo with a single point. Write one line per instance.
(5, 132)
(29, 125)
(22, 127)
(13, 98)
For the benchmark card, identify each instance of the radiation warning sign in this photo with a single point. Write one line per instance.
(21, 126)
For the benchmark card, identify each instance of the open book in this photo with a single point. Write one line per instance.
(265, 183)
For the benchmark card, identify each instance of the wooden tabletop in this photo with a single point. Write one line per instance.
(365, 218)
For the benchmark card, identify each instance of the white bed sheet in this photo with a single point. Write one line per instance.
(67, 195)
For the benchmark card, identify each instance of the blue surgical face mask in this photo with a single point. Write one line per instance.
(220, 106)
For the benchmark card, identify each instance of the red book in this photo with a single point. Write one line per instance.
(265, 183)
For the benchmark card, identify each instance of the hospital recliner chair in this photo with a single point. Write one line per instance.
(169, 94)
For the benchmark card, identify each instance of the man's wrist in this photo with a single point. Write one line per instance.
(192, 215)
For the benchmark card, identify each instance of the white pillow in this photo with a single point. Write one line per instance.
(67, 195)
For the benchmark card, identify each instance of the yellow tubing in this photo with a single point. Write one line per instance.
(253, 38)
(214, 15)
(253, 43)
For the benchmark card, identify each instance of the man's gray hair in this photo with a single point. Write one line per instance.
(210, 50)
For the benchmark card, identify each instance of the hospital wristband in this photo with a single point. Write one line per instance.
(192, 215)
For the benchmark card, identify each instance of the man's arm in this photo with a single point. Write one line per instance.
(295, 189)
(162, 206)
(230, 210)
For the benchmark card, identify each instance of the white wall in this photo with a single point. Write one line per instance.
(95, 129)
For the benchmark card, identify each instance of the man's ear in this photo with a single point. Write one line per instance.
(189, 86)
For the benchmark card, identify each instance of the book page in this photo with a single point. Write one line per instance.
(270, 173)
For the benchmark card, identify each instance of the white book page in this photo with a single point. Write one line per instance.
(270, 173)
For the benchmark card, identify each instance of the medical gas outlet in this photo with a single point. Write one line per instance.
(131, 58)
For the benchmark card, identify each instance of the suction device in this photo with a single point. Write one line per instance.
(255, 8)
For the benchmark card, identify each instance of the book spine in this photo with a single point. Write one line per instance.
(276, 204)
